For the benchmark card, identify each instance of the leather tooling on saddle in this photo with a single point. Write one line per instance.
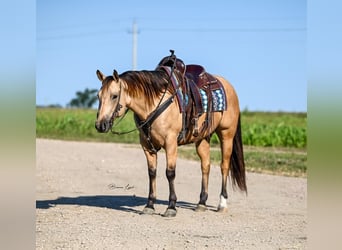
(198, 92)
(206, 87)
(200, 88)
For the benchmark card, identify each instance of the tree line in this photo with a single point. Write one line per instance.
(84, 99)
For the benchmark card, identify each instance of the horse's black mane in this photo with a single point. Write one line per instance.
(148, 83)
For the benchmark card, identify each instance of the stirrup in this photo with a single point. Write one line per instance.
(195, 121)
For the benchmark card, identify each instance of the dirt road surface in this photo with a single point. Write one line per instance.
(89, 196)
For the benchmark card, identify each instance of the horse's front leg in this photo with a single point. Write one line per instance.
(203, 151)
(171, 158)
(152, 174)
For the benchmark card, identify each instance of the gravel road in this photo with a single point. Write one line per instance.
(89, 196)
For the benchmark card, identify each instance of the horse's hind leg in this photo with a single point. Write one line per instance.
(152, 174)
(203, 149)
(226, 150)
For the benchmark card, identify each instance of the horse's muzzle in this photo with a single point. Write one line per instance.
(103, 126)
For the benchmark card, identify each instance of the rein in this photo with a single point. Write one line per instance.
(124, 132)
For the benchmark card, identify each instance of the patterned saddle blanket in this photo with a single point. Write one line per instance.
(199, 89)
(218, 99)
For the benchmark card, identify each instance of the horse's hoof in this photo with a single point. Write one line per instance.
(201, 208)
(170, 212)
(148, 210)
(222, 209)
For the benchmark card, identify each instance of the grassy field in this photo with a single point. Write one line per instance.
(273, 142)
(270, 160)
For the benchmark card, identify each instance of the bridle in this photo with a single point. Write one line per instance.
(118, 107)
(116, 114)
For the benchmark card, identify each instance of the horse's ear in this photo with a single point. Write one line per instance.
(115, 75)
(100, 75)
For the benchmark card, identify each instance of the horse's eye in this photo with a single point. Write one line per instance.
(114, 97)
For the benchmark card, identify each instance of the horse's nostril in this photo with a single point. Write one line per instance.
(103, 126)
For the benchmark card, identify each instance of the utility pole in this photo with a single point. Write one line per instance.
(135, 45)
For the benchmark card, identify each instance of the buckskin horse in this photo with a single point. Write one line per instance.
(173, 105)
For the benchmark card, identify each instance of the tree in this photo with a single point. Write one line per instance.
(85, 99)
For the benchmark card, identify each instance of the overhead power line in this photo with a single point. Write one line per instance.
(77, 35)
(225, 29)
(199, 30)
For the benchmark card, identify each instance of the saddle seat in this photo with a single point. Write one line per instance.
(199, 84)
(198, 74)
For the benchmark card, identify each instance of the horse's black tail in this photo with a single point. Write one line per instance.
(237, 163)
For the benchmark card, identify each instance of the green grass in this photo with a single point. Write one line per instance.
(274, 142)
(79, 125)
(280, 161)
(274, 129)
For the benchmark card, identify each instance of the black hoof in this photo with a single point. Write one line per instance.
(148, 210)
(170, 212)
(201, 208)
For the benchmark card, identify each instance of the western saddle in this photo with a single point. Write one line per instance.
(193, 86)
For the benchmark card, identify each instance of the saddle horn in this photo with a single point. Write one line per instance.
(173, 58)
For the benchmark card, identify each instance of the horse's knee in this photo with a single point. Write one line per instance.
(170, 174)
(152, 172)
(205, 169)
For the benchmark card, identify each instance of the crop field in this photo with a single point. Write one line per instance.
(273, 142)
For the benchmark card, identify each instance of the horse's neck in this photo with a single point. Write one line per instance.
(140, 108)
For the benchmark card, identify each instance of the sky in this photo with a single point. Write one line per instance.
(259, 45)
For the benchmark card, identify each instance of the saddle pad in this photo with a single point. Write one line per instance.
(218, 100)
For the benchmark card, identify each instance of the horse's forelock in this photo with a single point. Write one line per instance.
(106, 83)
